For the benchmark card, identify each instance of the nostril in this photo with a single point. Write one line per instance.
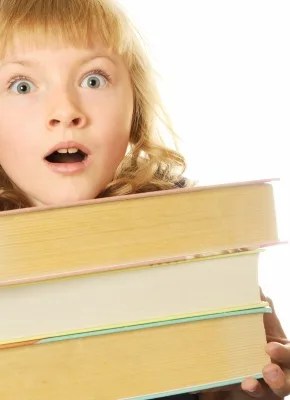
(54, 122)
(76, 121)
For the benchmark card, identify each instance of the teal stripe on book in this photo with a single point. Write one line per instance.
(79, 335)
(195, 389)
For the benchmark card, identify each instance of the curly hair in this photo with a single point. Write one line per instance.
(149, 164)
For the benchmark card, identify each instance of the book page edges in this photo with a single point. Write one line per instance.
(262, 307)
(139, 195)
(138, 265)
(192, 389)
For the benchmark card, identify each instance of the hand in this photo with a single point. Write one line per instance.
(276, 374)
(278, 348)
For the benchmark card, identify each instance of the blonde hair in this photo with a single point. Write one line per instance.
(148, 164)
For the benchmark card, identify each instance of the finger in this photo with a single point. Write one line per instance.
(252, 387)
(279, 353)
(277, 380)
(258, 389)
(273, 327)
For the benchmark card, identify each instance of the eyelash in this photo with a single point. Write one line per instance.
(26, 78)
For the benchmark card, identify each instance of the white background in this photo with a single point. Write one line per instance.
(225, 80)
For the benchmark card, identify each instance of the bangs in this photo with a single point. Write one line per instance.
(77, 23)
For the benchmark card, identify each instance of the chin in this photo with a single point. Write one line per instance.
(59, 199)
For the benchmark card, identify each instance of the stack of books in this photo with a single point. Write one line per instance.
(134, 297)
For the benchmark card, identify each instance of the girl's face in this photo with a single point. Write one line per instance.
(58, 99)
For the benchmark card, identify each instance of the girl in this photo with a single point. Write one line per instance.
(80, 116)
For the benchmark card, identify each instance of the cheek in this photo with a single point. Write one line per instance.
(18, 152)
(113, 110)
(10, 147)
(14, 140)
(114, 146)
(112, 123)
(12, 158)
(111, 140)
(17, 129)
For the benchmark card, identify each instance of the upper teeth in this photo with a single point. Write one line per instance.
(71, 150)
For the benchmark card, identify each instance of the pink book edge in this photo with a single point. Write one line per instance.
(137, 195)
(145, 263)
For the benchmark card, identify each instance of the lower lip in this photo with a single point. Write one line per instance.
(69, 168)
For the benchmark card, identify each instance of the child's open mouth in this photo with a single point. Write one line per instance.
(67, 156)
(66, 159)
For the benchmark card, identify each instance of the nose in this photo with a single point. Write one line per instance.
(68, 122)
(66, 114)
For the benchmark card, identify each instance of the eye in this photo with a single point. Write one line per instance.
(98, 79)
(22, 86)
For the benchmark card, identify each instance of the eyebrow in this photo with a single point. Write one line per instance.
(31, 63)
